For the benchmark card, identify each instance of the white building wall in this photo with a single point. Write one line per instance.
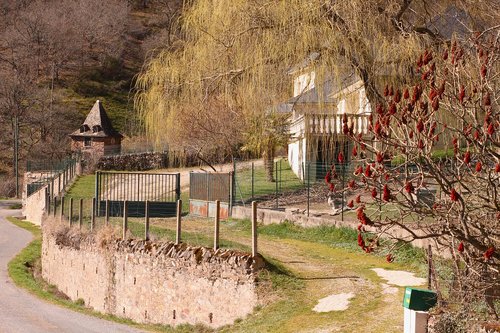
(296, 156)
(303, 83)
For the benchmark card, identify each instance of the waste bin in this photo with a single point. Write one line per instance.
(416, 303)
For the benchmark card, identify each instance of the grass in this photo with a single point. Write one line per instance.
(16, 206)
(287, 181)
(83, 187)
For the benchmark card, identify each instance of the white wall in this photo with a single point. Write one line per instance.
(303, 83)
(297, 156)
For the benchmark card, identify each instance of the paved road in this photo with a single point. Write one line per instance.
(21, 312)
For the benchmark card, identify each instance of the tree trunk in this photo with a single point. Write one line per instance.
(268, 157)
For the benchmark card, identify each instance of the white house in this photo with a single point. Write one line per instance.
(317, 118)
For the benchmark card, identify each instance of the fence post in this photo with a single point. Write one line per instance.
(48, 202)
(216, 220)
(429, 263)
(231, 192)
(178, 226)
(343, 189)
(92, 215)
(125, 218)
(55, 206)
(62, 209)
(70, 211)
(146, 220)
(253, 180)
(178, 186)
(97, 184)
(254, 228)
(308, 186)
(80, 214)
(276, 180)
(106, 214)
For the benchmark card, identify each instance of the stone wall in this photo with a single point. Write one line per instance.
(156, 283)
(34, 206)
(133, 162)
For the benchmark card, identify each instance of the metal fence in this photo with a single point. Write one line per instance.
(287, 187)
(159, 189)
(205, 188)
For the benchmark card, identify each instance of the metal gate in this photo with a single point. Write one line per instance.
(205, 188)
(160, 189)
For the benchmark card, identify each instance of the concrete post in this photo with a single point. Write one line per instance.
(125, 218)
(92, 218)
(178, 229)
(146, 220)
(70, 211)
(80, 214)
(216, 220)
(254, 228)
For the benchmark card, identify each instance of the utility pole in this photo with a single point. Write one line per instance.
(16, 153)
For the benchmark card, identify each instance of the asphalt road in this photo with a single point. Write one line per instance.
(21, 312)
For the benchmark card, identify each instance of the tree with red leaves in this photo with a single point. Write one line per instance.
(453, 201)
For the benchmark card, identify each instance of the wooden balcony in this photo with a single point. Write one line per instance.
(329, 124)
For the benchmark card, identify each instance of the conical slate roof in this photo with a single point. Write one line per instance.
(97, 124)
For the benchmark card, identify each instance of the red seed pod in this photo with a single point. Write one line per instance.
(454, 195)
(361, 242)
(432, 67)
(386, 90)
(397, 96)
(416, 94)
(359, 170)
(455, 142)
(461, 94)
(386, 195)
(387, 177)
(420, 61)
(374, 192)
(389, 258)
(345, 129)
(497, 167)
(351, 183)
(380, 109)
(489, 253)
(483, 71)
(486, 99)
(441, 88)
(461, 247)
(344, 118)
(445, 55)
(467, 157)
(355, 151)
(328, 177)
(332, 187)
(409, 187)
(393, 109)
(368, 171)
(425, 75)
(406, 94)
(420, 126)
(476, 135)
(358, 199)
(479, 166)
(410, 134)
(380, 157)
(435, 104)
(350, 204)
(360, 227)
(491, 129)
(341, 157)
(432, 94)
(378, 128)
(420, 144)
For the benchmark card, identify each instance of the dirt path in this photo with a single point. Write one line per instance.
(22, 312)
(325, 271)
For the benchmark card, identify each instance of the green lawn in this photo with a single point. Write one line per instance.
(286, 181)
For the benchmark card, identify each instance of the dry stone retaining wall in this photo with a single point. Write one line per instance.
(157, 283)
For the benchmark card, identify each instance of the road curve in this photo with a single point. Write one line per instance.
(21, 312)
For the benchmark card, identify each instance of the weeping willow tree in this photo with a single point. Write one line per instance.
(230, 65)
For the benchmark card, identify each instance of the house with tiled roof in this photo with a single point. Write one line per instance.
(96, 135)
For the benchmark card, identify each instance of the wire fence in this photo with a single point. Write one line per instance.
(286, 185)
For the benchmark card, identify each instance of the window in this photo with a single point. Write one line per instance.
(87, 142)
(96, 128)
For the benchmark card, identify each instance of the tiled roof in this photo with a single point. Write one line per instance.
(97, 124)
